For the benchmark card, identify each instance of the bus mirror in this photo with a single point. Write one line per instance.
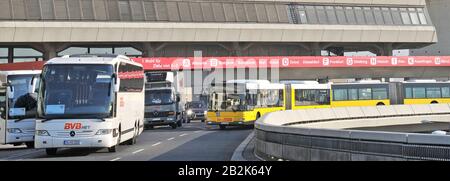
(10, 92)
(117, 85)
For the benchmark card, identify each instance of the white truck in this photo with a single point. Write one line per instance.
(18, 106)
(90, 101)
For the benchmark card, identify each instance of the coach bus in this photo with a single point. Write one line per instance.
(242, 102)
(90, 101)
(18, 100)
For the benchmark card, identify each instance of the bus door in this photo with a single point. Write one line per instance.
(288, 92)
(3, 115)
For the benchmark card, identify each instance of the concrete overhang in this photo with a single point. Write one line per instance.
(365, 2)
(42, 31)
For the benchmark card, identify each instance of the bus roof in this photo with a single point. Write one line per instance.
(94, 59)
(311, 86)
(248, 81)
(20, 72)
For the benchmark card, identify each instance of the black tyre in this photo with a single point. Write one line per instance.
(434, 102)
(203, 120)
(113, 149)
(30, 144)
(173, 125)
(51, 151)
(380, 104)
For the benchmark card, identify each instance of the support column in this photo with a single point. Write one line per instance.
(387, 49)
(10, 54)
(316, 50)
(49, 51)
(147, 50)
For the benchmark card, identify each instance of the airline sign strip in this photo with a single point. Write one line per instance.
(176, 63)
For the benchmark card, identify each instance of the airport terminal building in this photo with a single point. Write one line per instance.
(33, 30)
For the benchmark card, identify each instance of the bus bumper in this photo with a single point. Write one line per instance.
(12, 138)
(98, 141)
(236, 123)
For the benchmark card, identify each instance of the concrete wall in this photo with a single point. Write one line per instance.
(439, 13)
(318, 134)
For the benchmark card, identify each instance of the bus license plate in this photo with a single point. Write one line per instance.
(72, 142)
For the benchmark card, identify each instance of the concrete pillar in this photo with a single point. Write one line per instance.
(237, 50)
(49, 52)
(387, 49)
(10, 54)
(316, 50)
(147, 50)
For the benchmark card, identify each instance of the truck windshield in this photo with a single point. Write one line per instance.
(82, 90)
(196, 105)
(158, 97)
(22, 104)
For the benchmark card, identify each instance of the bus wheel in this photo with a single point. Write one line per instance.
(114, 148)
(51, 151)
(132, 141)
(173, 125)
(434, 102)
(380, 104)
(30, 144)
(222, 127)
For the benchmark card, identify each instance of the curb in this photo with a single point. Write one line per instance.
(238, 153)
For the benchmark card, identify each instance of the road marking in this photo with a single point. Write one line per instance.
(197, 131)
(115, 159)
(184, 134)
(171, 138)
(137, 151)
(156, 144)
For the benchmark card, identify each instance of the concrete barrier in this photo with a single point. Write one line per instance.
(327, 134)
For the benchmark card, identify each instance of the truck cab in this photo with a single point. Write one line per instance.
(162, 102)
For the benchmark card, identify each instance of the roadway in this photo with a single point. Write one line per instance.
(192, 142)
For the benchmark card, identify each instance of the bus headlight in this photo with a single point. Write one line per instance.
(42, 133)
(189, 112)
(205, 112)
(14, 130)
(103, 132)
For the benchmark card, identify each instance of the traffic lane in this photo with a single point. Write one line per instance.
(216, 145)
(145, 141)
(10, 151)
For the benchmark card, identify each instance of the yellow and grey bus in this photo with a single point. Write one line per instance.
(367, 93)
(242, 102)
(423, 92)
(308, 95)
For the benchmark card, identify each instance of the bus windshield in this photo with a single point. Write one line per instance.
(82, 90)
(22, 104)
(159, 97)
(228, 102)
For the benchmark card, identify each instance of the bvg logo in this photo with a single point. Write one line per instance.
(72, 126)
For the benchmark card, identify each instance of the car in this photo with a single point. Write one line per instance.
(195, 110)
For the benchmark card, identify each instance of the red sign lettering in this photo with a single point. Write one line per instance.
(72, 126)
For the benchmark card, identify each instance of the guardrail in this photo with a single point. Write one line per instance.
(322, 134)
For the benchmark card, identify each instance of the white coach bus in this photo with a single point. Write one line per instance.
(90, 101)
(18, 101)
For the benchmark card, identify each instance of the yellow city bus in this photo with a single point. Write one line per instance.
(367, 93)
(242, 102)
(309, 95)
(426, 92)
